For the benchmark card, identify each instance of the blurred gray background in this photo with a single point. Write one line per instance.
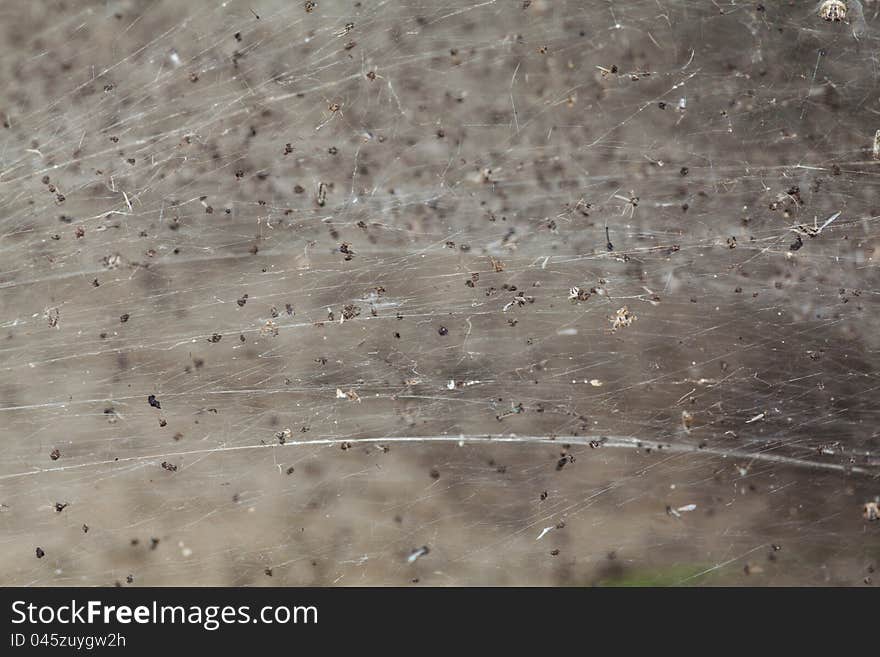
(539, 286)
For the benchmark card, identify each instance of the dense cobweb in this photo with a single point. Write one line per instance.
(446, 293)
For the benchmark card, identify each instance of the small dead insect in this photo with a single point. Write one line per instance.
(351, 395)
(630, 205)
(350, 311)
(832, 10)
(836, 11)
(576, 294)
(270, 328)
(345, 30)
(621, 319)
(815, 229)
(322, 194)
(519, 301)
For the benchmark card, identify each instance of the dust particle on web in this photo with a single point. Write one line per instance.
(55, 454)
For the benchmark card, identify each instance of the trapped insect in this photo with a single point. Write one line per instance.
(815, 229)
(832, 10)
(836, 11)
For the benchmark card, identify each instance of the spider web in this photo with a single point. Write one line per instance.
(459, 293)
